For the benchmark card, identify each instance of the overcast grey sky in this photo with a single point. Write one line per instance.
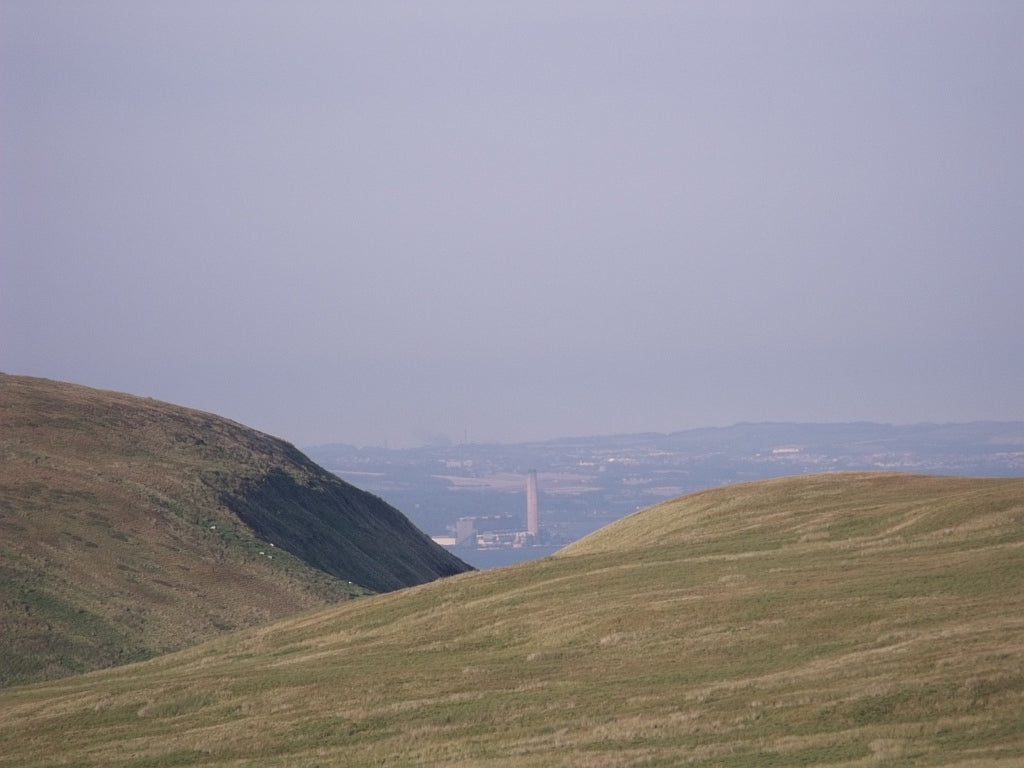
(396, 222)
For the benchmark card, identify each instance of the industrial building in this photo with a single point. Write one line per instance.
(501, 532)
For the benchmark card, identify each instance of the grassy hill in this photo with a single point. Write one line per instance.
(131, 527)
(835, 620)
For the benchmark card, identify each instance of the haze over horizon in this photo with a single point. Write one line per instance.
(401, 223)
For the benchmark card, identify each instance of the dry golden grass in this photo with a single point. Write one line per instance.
(839, 620)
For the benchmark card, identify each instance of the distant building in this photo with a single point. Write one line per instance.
(485, 531)
(501, 531)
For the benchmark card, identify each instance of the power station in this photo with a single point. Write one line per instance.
(497, 532)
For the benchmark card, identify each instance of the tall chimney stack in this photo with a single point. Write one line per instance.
(531, 503)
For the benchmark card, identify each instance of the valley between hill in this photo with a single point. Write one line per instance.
(863, 619)
(131, 527)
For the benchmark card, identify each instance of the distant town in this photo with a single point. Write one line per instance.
(495, 504)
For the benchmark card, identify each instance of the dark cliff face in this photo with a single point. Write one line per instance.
(131, 527)
(340, 529)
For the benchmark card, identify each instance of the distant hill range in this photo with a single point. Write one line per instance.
(587, 482)
(130, 527)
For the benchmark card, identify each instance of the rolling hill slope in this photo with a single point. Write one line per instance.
(834, 620)
(131, 527)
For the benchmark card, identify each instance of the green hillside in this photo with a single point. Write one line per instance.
(833, 620)
(131, 527)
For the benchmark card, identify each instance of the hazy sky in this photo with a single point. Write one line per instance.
(407, 221)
